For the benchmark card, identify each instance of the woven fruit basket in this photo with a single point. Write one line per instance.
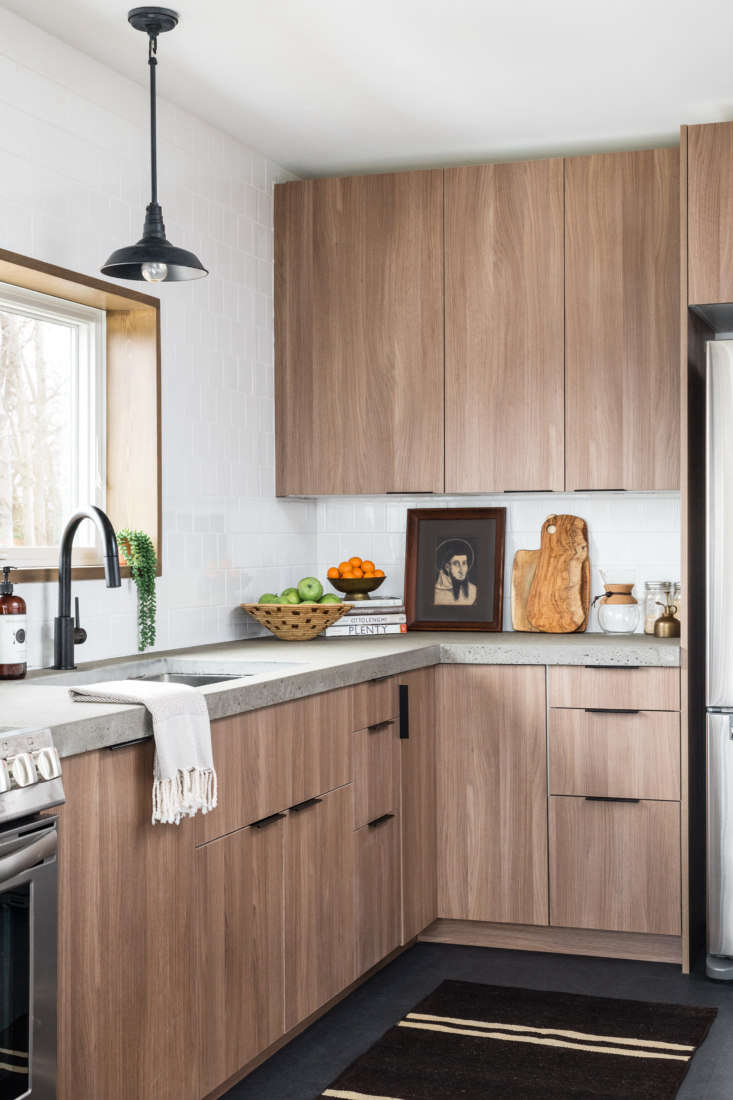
(296, 622)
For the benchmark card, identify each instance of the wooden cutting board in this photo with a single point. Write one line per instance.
(523, 571)
(559, 595)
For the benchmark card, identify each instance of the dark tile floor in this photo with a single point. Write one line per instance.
(310, 1062)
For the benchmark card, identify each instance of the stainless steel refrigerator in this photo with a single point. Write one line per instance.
(719, 688)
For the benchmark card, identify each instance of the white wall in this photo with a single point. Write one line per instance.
(639, 531)
(73, 186)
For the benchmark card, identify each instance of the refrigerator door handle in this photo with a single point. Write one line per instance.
(720, 834)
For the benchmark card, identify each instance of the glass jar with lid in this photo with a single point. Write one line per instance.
(656, 595)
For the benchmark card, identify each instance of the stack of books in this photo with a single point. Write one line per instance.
(385, 616)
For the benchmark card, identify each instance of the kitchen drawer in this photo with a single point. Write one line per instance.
(615, 865)
(377, 891)
(374, 701)
(631, 754)
(376, 770)
(269, 759)
(615, 686)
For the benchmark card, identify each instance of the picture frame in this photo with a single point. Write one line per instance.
(454, 568)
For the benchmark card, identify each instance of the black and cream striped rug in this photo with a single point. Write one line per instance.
(484, 1041)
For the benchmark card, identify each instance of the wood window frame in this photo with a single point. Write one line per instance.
(133, 403)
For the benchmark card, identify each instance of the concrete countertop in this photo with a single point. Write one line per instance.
(311, 667)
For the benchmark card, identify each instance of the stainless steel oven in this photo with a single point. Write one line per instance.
(29, 781)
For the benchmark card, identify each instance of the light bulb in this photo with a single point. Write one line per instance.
(154, 272)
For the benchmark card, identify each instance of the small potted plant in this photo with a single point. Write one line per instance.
(139, 553)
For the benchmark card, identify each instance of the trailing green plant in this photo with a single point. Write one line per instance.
(139, 553)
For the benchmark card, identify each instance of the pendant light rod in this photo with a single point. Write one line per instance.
(153, 63)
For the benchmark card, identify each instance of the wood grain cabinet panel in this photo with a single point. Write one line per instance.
(266, 760)
(492, 793)
(359, 334)
(319, 904)
(419, 812)
(615, 865)
(376, 771)
(239, 949)
(647, 688)
(710, 213)
(504, 327)
(377, 892)
(374, 701)
(622, 320)
(631, 755)
(128, 897)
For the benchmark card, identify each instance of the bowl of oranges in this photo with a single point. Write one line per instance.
(357, 577)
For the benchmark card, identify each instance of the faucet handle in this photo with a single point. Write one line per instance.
(80, 634)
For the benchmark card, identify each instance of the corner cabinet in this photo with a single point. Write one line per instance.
(710, 213)
(622, 320)
(359, 334)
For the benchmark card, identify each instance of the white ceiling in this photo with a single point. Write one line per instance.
(328, 86)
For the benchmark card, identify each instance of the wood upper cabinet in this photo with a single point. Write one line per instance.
(239, 949)
(622, 320)
(504, 327)
(359, 334)
(710, 213)
(492, 793)
(419, 822)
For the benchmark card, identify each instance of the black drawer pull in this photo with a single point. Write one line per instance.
(404, 693)
(380, 726)
(617, 668)
(305, 805)
(605, 798)
(379, 679)
(265, 821)
(610, 710)
(379, 821)
(129, 744)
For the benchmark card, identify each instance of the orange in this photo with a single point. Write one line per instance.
(369, 574)
(347, 573)
(343, 566)
(332, 573)
(357, 572)
(378, 572)
(356, 562)
(368, 566)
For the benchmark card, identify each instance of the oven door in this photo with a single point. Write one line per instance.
(28, 885)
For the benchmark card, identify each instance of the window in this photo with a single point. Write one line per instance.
(52, 423)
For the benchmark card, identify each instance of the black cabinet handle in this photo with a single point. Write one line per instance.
(129, 744)
(265, 821)
(379, 679)
(605, 798)
(404, 712)
(305, 805)
(380, 726)
(610, 710)
(379, 821)
(617, 668)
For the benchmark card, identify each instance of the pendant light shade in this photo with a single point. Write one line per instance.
(153, 258)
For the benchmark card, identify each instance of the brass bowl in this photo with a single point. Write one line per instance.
(356, 588)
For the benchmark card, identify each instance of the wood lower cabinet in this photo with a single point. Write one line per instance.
(239, 948)
(622, 320)
(376, 771)
(615, 865)
(377, 891)
(419, 810)
(128, 898)
(492, 793)
(504, 327)
(319, 903)
(359, 334)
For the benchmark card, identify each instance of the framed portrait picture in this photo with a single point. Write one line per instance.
(454, 568)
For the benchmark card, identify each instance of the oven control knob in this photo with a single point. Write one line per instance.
(22, 769)
(5, 780)
(47, 762)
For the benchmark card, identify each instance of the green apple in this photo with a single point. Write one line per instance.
(329, 598)
(289, 595)
(310, 590)
(268, 597)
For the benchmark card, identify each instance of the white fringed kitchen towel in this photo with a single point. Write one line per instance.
(184, 779)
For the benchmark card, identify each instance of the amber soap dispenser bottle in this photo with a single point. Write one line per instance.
(13, 661)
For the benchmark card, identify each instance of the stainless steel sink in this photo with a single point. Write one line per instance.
(190, 678)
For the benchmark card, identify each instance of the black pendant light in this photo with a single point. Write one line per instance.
(153, 258)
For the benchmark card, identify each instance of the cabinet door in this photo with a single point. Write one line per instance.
(128, 895)
(319, 903)
(710, 213)
(492, 794)
(359, 334)
(239, 949)
(377, 891)
(622, 321)
(419, 837)
(504, 327)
